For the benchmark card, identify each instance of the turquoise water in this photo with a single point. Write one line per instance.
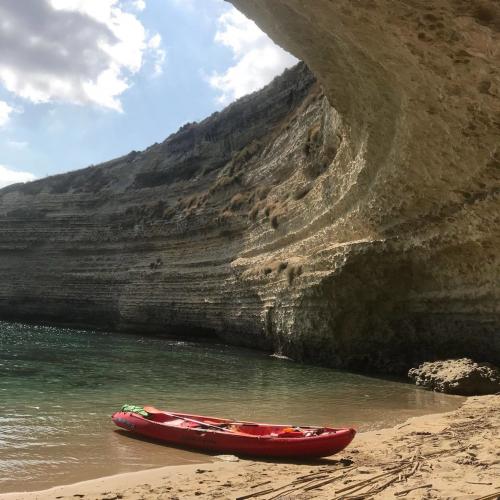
(58, 388)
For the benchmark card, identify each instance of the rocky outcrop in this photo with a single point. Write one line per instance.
(457, 376)
(351, 221)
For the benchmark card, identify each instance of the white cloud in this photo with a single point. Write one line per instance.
(159, 56)
(76, 51)
(8, 176)
(139, 4)
(257, 59)
(17, 144)
(5, 112)
(154, 41)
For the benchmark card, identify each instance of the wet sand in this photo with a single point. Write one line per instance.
(448, 455)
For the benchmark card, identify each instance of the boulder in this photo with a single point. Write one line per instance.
(457, 376)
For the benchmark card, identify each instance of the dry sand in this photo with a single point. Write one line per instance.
(441, 456)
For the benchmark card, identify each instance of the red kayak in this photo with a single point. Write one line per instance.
(228, 436)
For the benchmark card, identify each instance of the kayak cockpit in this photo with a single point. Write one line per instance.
(277, 430)
(250, 429)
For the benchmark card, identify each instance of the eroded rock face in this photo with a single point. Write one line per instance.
(457, 376)
(149, 241)
(351, 221)
(409, 239)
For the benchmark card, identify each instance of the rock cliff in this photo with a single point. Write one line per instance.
(351, 221)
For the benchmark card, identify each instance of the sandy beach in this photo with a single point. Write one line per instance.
(450, 455)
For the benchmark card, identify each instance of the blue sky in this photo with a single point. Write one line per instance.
(99, 78)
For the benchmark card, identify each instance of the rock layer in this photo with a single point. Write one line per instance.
(409, 239)
(351, 221)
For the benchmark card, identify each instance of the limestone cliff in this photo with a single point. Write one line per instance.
(406, 222)
(351, 221)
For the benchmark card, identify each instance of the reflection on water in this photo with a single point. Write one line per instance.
(58, 388)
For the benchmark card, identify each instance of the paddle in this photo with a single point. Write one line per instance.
(152, 409)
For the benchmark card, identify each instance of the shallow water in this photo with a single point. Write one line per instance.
(58, 388)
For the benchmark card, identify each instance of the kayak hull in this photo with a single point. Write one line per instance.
(245, 438)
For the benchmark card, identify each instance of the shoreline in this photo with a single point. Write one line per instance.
(440, 455)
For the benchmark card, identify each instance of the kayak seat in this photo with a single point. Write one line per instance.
(255, 430)
(180, 422)
(189, 425)
(291, 434)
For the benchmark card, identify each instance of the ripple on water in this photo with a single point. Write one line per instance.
(62, 386)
